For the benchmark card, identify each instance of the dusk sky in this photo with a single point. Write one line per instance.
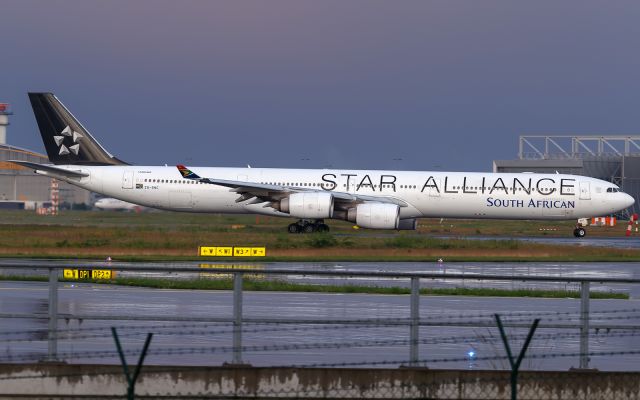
(422, 85)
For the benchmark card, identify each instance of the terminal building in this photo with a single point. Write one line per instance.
(20, 188)
(612, 158)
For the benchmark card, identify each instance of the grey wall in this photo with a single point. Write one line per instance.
(42, 380)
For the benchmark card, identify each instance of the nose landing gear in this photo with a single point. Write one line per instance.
(308, 226)
(579, 232)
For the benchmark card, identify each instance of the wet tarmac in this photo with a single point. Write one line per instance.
(594, 271)
(632, 242)
(616, 243)
(342, 329)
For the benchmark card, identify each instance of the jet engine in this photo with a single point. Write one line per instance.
(375, 215)
(308, 205)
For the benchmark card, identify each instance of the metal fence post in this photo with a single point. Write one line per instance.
(52, 354)
(584, 325)
(515, 364)
(237, 318)
(415, 321)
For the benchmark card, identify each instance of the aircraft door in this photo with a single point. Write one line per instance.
(127, 180)
(243, 178)
(585, 192)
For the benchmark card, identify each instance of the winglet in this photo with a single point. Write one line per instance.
(186, 172)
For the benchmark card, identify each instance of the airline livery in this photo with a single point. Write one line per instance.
(371, 199)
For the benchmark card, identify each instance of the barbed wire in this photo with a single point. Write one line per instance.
(307, 346)
(507, 317)
(78, 334)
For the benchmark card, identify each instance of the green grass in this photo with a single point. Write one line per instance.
(260, 285)
(174, 236)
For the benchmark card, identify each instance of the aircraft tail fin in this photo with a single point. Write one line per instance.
(65, 139)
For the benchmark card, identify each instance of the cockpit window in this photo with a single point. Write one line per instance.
(612, 190)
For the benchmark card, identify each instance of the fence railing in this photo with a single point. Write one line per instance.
(53, 268)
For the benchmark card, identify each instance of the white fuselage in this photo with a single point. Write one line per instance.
(428, 194)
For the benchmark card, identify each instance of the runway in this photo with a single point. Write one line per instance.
(617, 242)
(356, 343)
(611, 242)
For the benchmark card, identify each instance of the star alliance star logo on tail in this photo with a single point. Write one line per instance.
(74, 136)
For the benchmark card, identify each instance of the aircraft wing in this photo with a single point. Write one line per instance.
(260, 192)
(50, 169)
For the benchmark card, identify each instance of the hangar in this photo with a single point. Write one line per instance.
(20, 187)
(614, 158)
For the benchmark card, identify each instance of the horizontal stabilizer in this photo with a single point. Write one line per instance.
(51, 169)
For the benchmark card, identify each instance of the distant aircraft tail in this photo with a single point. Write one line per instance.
(65, 139)
(187, 173)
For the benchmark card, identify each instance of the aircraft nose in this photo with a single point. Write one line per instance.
(627, 200)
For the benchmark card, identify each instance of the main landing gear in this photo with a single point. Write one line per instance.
(579, 232)
(308, 226)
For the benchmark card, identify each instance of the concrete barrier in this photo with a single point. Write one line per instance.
(107, 381)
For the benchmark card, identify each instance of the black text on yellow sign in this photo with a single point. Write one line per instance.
(88, 274)
(232, 251)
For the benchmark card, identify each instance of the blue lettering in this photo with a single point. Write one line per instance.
(491, 202)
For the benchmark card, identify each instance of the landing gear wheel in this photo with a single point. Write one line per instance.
(294, 228)
(308, 226)
(322, 228)
(579, 232)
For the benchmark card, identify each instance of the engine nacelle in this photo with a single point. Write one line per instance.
(308, 205)
(376, 215)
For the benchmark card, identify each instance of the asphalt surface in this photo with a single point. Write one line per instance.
(285, 344)
(632, 242)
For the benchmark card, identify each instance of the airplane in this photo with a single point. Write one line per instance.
(111, 204)
(373, 199)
